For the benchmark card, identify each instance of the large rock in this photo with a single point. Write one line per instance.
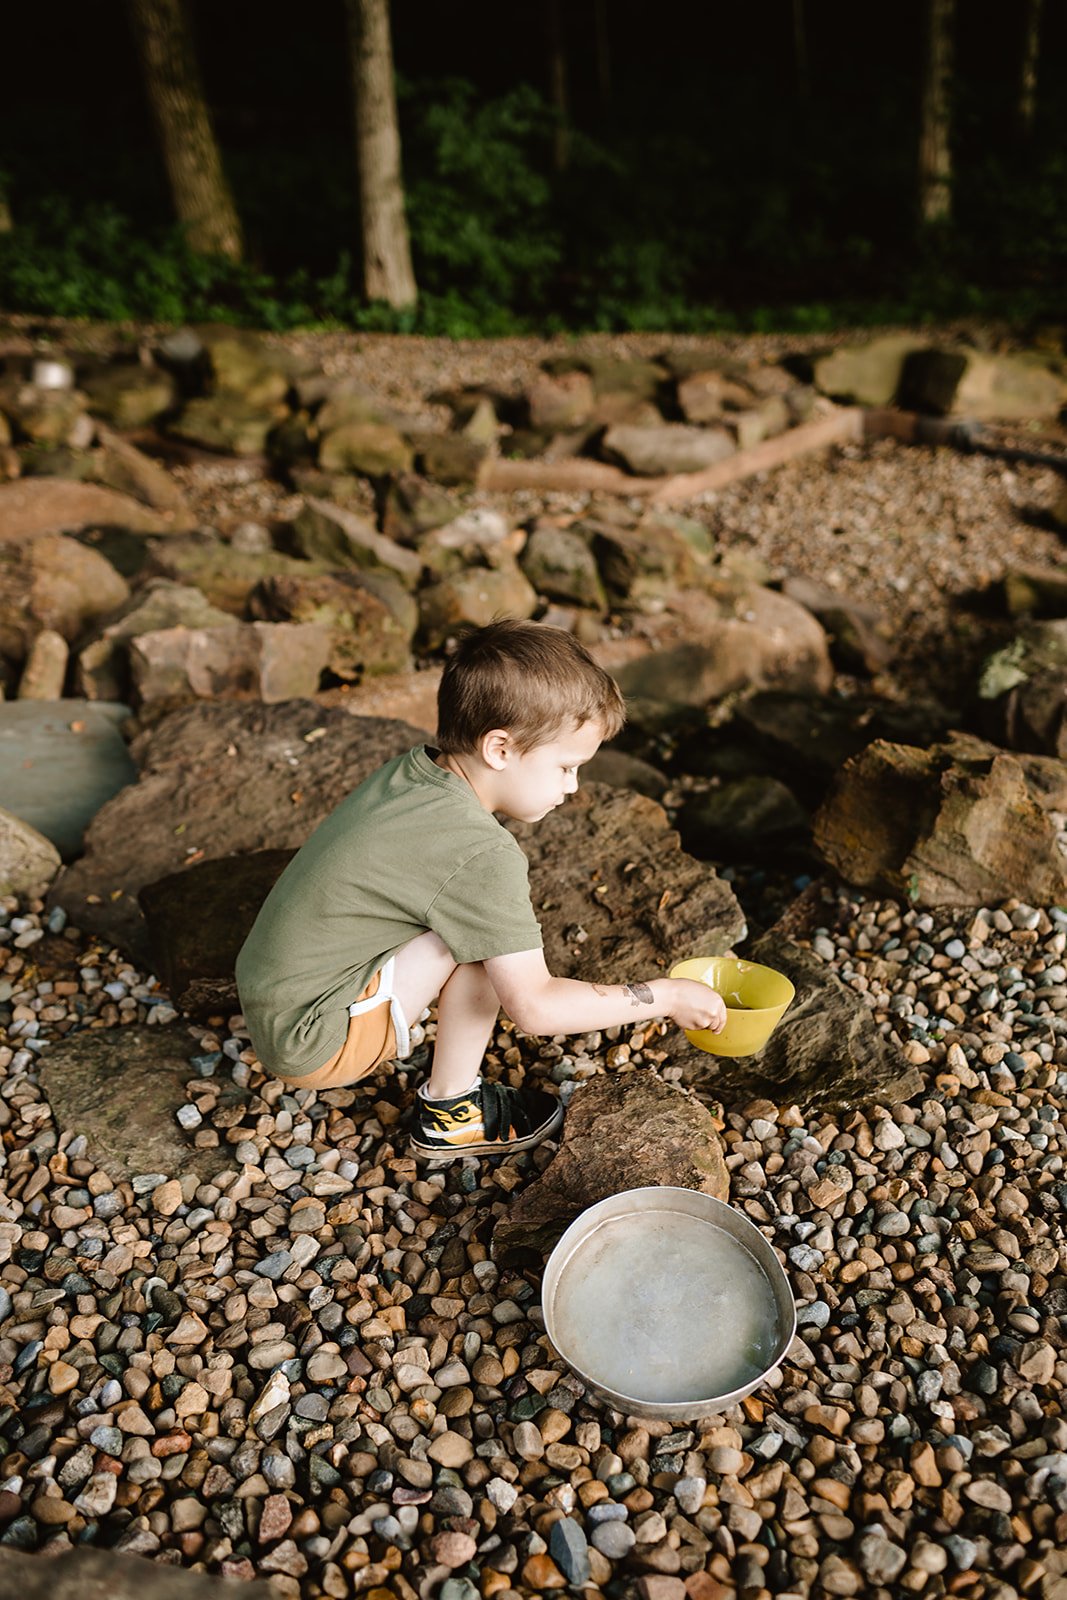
(561, 566)
(673, 447)
(975, 384)
(753, 639)
(645, 562)
(85, 1573)
(621, 1132)
(242, 363)
(129, 394)
(473, 598)
(266, 661)
(611, 375)
(28, 861)
(224, 779)
(861, 636)
(61, 762)
(412, 507)
(1023, 688)
(57, 583)
(866, 374)
(370, 617)
(941, 827)
(453, 459)
(704, 395)
(826, 1053)
(196, 921)
(35, 506)
(226, 422)
(330, 533)
(555, 405)
(618, 897)
(103, 664)
(370, 449)
(121, 1088)
(224, 574)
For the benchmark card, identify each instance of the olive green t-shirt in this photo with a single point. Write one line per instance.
(412, 848)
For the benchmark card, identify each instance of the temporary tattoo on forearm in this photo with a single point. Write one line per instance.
(640, 994)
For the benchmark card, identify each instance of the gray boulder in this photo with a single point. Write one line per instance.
(371, 449)
(561, 566)
(103, 664)
(226, 422)
(473, 597)
(673, 447)
(866, 374)
(266, 661)
(129, 394)
(61, 762)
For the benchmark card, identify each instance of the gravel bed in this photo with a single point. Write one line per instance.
(309, 1368)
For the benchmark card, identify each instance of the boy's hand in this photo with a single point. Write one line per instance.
(694, 1005)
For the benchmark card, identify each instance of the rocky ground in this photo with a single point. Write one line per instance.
(422, 1437)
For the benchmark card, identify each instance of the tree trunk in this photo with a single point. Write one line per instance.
(387, 271)
(557, 69)
(202, 199)
(7, 223)
(1028, 66)
(603, 52)
(935, 155)
(800, 52)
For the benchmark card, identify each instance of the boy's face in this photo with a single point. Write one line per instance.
(535, 782)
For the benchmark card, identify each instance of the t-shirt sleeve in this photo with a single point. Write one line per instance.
(484, 910)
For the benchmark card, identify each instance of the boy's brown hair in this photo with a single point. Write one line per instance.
(526, 677)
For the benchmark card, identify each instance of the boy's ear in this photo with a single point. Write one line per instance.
(496, 748)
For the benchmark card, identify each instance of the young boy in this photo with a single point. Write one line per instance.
(412, 891)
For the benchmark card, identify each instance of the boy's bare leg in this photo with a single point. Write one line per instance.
(467, 1009)
(466, 1016)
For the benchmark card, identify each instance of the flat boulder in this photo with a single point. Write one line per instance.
(62, 760)
(826, 1053)
(226, 422)
(34, 506)
(121, 1088)
(369, 618)
(219, 779)
(103, 663)
(955, 825)
(631, 1131)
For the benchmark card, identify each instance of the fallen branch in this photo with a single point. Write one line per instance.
(578, 476)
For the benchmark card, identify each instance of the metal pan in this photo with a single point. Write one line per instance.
(667, 1303)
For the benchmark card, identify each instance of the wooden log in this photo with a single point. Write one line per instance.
(577, 476)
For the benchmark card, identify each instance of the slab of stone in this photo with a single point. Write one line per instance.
(121, 1088)
(61, 761)
(86, 1573)
(866, 374)
(826, 1053)
(621, 1132)
(221, 778)
(672, 447)
(103, 671)
(268, 661)
(34, 506)
(28, 861)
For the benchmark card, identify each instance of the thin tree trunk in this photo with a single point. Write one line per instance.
(935, 155)
(202, 198)
(557, 66)
(800, 51)
(1028, 67)
(603, 52)
(7, 222)
(387, 271)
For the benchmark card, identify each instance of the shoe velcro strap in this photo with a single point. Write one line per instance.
(502, 1110)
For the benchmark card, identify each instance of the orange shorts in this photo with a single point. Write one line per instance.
(372, 1038)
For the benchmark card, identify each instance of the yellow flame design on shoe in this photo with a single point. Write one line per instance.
(462, 1125)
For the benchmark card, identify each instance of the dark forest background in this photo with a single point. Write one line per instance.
(719, 172)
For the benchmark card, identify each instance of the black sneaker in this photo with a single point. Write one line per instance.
(490, 1120)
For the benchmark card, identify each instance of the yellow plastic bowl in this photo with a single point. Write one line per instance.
(755, 996)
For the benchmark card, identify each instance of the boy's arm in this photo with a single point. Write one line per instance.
(539, 1003)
